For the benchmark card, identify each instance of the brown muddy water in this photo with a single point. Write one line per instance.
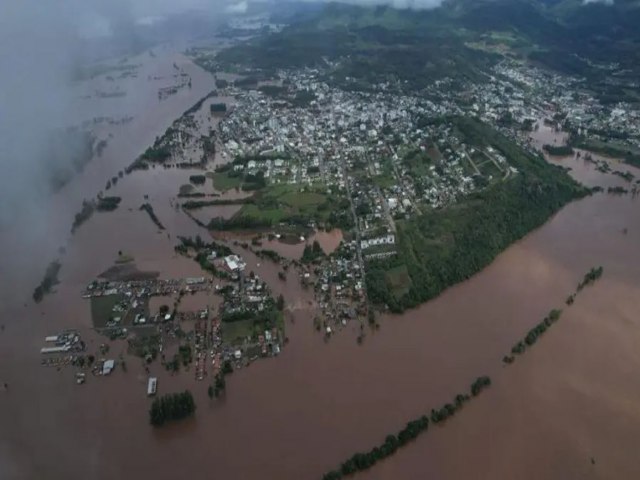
(328, 241)
(572, 398)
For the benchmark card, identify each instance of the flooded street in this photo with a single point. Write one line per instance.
(573, 398)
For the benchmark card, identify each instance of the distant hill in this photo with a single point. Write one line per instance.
(459, 39)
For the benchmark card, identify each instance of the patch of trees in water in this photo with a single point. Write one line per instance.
(270, 254)
(101, 204)
(196, 204)
(49, 280)
(590, 277)
(561, 151)
(87, 209)
(312, 252)
(149, 209)
(173, 406)
(554, 315)
(218, 108)
(391, 444)
(197, 179)
(219, 383)
(617, 190)
(107, 204)
(533, 335)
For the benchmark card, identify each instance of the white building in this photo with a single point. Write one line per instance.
(382, 240)
(234, 263)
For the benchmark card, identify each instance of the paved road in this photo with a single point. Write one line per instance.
(357, 225)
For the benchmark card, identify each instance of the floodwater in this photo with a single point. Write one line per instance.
(328, 241)
(572, 398)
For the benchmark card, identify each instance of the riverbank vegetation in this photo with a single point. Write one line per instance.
(442, 247)
(149, 209)
(173, 406)
(49, 280)
(393, 442)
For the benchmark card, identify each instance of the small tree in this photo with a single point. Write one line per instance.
(280, 302)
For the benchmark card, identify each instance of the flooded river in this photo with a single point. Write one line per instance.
(569, 408)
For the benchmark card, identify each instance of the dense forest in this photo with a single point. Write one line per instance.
(442, 247)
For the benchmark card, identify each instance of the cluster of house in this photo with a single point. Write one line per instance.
(339, 287)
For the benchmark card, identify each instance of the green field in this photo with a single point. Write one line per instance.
(236, 332)
(223, 182)
(277, 203)
(302, 200)
(274, 215)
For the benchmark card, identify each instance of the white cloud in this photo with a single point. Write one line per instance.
(399, 4)
(236, 8)
(604, 2)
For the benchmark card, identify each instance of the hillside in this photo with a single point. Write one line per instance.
(459, 40)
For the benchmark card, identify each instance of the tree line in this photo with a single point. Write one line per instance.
(590, 277)
(392, 442)
(107, 204)
(195, 204)
(48, 281)
(562, 150)
(149, 209)
(539, 329)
